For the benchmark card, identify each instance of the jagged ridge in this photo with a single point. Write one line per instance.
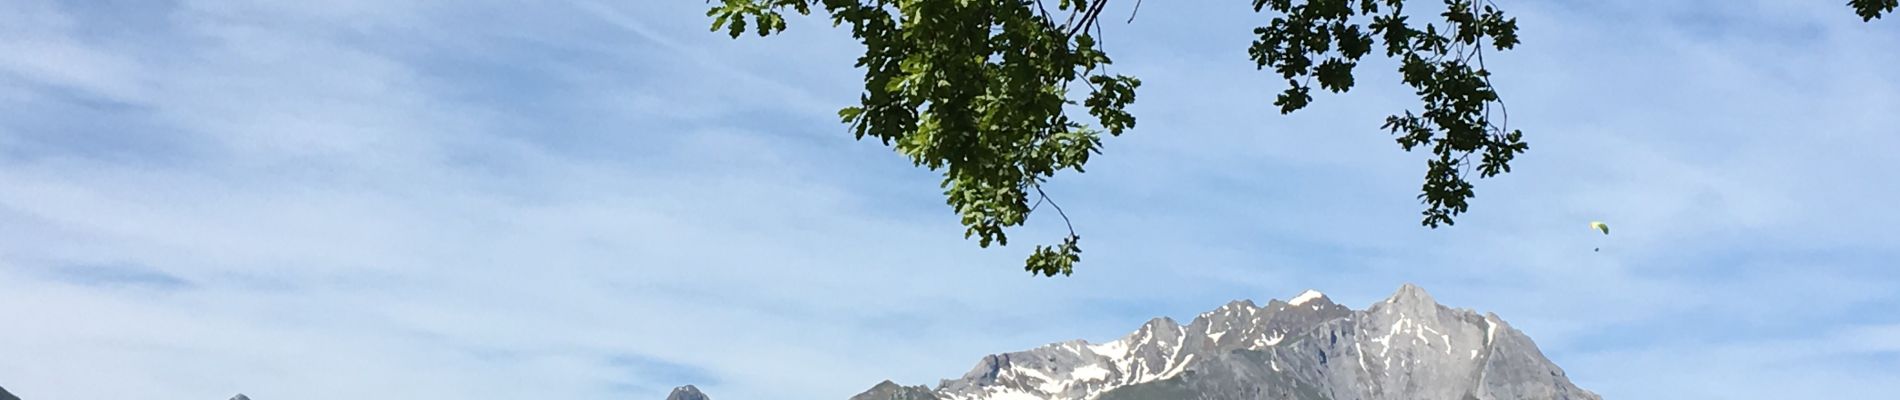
(1406, 347)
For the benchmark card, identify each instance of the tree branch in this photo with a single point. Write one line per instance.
(1052, 203)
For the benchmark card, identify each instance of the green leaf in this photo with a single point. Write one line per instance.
(849, 114)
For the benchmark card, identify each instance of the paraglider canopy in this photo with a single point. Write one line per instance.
(1599, 225)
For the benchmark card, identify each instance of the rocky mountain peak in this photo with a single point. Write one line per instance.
(1309, 301)
(888, 390)
(1161, 324)
(688, 392)
(1241, 304)
(1307, 296)
(1411, 294)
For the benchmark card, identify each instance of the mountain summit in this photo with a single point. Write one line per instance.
(688, 392)
(1406, 347)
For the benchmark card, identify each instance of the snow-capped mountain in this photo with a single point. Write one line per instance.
(1407, 347)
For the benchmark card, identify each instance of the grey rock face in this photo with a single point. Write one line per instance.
(4, 395)
(240, 396)
(888, 390)
(688, 392)
(1407, 347)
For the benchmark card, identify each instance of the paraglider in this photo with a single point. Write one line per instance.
(1600, 226)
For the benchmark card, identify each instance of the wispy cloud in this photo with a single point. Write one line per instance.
(118, 275)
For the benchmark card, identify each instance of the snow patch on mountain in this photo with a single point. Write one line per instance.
(1306, 296)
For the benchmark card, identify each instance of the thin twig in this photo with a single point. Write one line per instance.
(1047, 19)
(1101, 43)
(1093, 13)
(1052, 203)
(1504, 110)
(1070, 24)
(1039, 200)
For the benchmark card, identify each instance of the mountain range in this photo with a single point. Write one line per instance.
(1406, 347)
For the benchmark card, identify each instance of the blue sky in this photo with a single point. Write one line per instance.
(602, 200)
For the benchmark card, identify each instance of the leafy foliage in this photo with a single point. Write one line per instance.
(1872, 9)
(978, 89)
(981, 90)
(1325, 39)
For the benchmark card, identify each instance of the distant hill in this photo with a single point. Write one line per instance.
(688, 392)
(4, 395)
